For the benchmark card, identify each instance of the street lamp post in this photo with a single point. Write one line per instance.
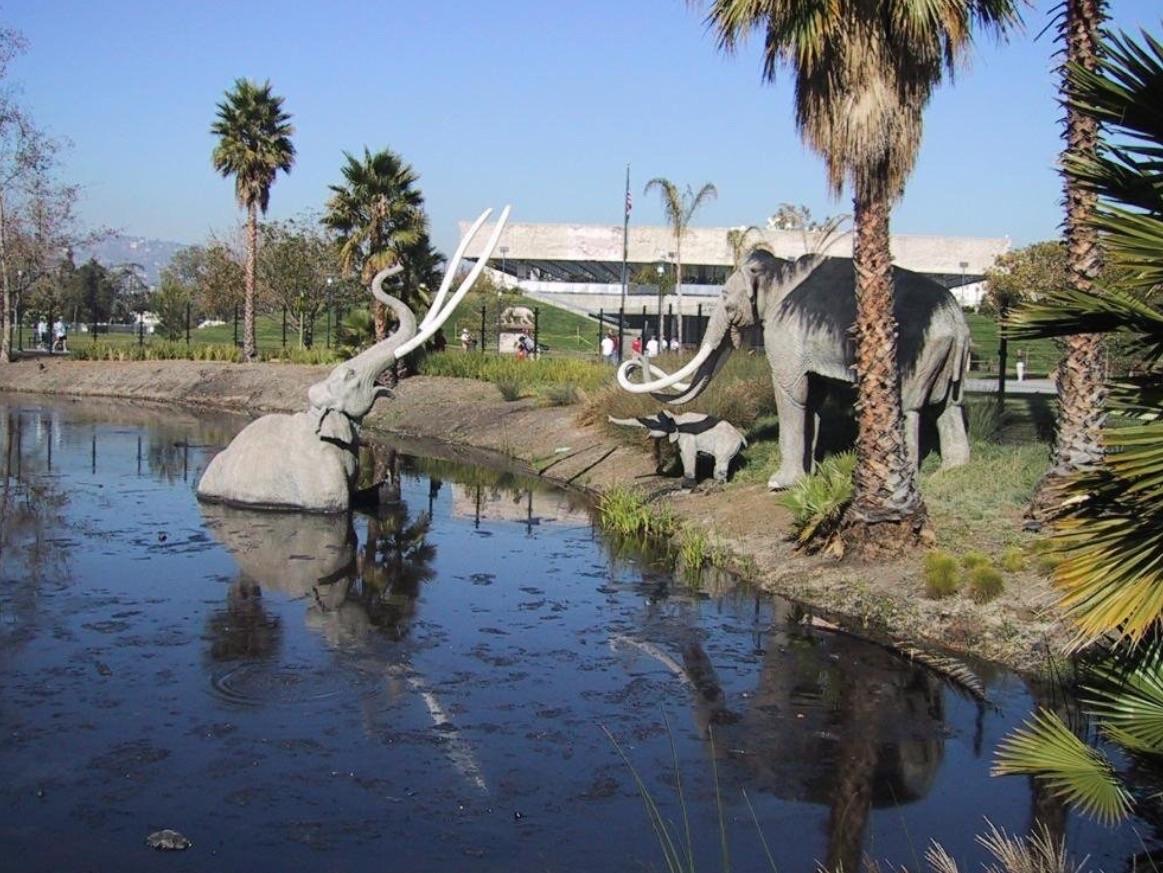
(327, 305)
(661, 272)
(504, 263)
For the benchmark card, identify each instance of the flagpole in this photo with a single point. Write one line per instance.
(625, 257)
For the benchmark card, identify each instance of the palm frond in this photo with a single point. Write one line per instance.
(952, 669)
(1045, 748)
(1130, 703)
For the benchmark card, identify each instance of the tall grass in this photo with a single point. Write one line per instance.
(177, 350)
(586, 375)
(741, 393)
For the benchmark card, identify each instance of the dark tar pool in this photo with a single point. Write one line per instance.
(447, 684)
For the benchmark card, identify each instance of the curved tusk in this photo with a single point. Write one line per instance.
(426, 330)
(450, 270)
(665, 380)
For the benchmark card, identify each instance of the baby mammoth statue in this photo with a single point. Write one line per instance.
(695, 434)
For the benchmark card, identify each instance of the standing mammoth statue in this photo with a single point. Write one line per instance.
(309, 460)
(807, 308)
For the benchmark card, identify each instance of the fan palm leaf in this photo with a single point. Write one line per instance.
(1129, 703)
(1045, 747)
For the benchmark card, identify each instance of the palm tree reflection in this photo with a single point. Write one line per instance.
(833, 720)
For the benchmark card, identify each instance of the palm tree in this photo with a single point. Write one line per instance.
(1109, 539)
(254, 143)
(1081, 395)
(863, 75)
(377, 212)
(679, 207)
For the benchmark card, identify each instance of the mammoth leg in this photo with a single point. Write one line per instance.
(913, 437)
(690, 456)
(952, 436)
(795, 441)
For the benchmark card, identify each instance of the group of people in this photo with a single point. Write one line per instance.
(60, 336)
(650, 348)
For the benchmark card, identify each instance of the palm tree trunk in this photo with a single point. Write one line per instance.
(678, 284)
(1081, 392)
(249, 346)
(886, 510)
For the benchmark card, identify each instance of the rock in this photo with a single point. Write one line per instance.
(167, 841)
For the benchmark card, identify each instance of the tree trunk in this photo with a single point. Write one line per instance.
(886, 512)
(1081, 392)
(678, 285)
(249, 346)
(6, 319)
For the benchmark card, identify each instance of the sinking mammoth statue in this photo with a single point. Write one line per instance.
(807, 308)
(309, 460)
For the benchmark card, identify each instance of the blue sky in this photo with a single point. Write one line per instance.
(538, 104)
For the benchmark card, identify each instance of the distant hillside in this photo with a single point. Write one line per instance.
(153, 254)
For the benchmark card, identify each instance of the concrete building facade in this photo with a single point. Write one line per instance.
(579, 266)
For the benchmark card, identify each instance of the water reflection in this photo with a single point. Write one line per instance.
(410, 679)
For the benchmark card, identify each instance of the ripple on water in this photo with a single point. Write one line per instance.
(259, 683)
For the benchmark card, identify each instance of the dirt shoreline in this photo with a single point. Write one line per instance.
(1019, 630)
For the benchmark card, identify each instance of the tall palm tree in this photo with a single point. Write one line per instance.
(679, 206)
(864, 72)
(377, 211)
(1081, 395)
(254, 143)
(1109, 539)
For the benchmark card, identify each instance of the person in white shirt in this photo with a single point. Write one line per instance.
(674, 344)
(60, 338)
(608, 346)
(652, 347)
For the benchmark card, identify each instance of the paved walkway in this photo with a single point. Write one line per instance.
(1013, 386)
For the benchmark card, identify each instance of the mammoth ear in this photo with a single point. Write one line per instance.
(336, 427)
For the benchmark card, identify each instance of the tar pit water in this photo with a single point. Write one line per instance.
(446, 684)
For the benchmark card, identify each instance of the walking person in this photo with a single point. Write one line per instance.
(608, 347)
(60, 336)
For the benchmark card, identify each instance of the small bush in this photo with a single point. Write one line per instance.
(559, 395)
(696, 550)
(985, 583)
(971, 560)
(511, 389)
(1013, 559)
(625, 511)
(817, 502)
(941, 578)
(984, 420)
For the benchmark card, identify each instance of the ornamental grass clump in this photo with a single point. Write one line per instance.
(941, 576)
(511, 389)
(1013, 559)
(985, 583)
(817, 502)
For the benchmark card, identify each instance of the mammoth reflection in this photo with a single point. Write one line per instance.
(351, 588)
(833, 720)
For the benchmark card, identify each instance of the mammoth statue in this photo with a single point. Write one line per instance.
(696, 435)
(517, 316)
(309, 460)
(807, 308)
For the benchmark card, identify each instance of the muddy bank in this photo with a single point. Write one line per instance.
(1018, 629)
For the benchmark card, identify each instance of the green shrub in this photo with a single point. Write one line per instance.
(984, 420)
(970, 560)
(559, 395)
(817, 502)
(583, 374)
(511, 389)
(695, 550)
(626, 512)
(985, 583)
(1013, 559)
(941, 577)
